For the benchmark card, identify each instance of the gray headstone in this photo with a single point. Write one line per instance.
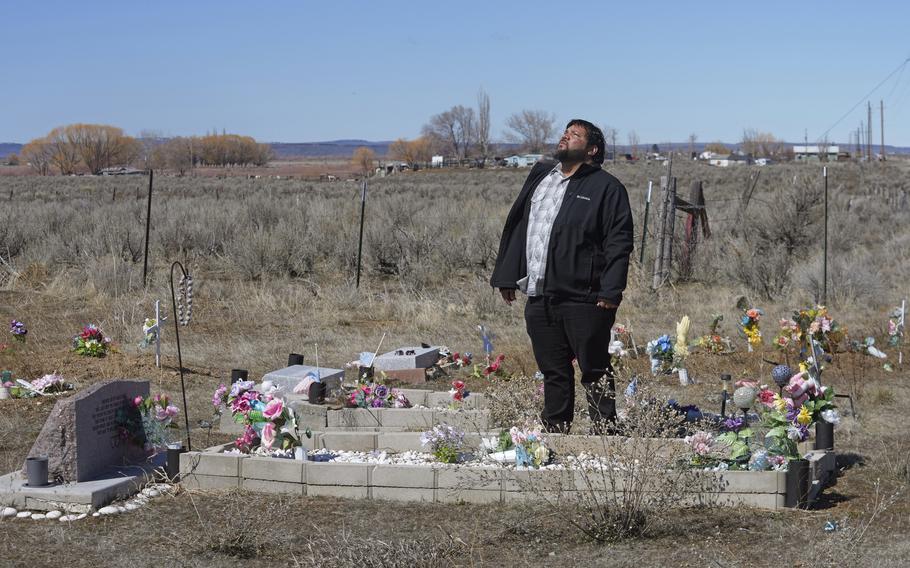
(290, 377)
(407, 358)
(81, 437)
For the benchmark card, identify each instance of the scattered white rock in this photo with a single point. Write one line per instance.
(23, 514)
(109, 510)
(68, 518)
(8, 512)
(154, 493)
(96, 514)
(38, 516)
(81, 516)
(121, 509)
(54, 515)
(131, 506)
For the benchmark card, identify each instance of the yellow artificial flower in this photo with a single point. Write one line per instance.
(779, 403)
(804, 417)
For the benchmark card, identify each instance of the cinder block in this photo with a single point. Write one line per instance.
(196, 481)
(467, 420)
(205, 463)
(343, 491)
(538, 480)
(486, 478)
(411, 418)
(348, 474)
(557, 498)
(400, 442)
(478, 496)
(312, 416)
(437, 399)
(353, 418)
(417, 397)
(403, 476)
(264, 486)
(273, 469)
(749, 481)
(404, 494)
(758, 500)
(348, 441)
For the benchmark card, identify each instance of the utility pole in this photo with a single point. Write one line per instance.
(882, 111)
(869, 132)
(862, 141)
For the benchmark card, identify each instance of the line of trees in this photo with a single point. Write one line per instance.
(91, 148)
(463, 132)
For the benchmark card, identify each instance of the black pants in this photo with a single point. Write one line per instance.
(561, 330)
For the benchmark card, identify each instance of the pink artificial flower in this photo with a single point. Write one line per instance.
(747, 383)
(797, 385)
(268, 435)
(218, 397)
(240, 404)
(826, 325)
(273, 409)
(137, 402)
(753, 314)
(766, 397)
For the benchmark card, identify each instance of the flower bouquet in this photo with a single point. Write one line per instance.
(660, 351)
(788, 417)
(268, 422)
(450, 360)
(494, 369)
(375, 395)
(714, 342)
(51, 384)
(810, 323)
(150, 331)
(148, 423)
(17, 328)
(530, 446)
(750, 328)
(445, 442)
(458, 393)
(896, 327)
(91, 342)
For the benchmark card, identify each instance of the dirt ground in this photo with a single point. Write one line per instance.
(227, 529)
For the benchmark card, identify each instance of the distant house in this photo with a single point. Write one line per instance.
(728, 160)
(817, 153)
(523, 161)
(437, 161)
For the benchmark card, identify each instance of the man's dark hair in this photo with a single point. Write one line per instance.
(595, 137)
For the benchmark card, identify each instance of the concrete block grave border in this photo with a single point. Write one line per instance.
(441, 483)
(472, 416)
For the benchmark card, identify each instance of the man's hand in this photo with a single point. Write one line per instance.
(508, 295)
(606, 305)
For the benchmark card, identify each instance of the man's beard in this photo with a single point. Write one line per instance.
(567, 156)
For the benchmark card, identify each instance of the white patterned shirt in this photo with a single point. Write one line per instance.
(545, 204)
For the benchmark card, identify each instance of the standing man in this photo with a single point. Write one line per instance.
(566, 244)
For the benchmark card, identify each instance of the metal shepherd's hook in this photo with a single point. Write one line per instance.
(183, 312)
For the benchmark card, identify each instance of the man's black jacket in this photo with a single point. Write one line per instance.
(590, 242)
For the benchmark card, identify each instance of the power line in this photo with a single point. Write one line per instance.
(866, 96)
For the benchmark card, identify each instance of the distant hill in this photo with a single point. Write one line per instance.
(345, 148)
(7, 148)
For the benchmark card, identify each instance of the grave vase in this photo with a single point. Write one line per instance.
(824, 435)
(36, 471)
(300, 453)
(798, 484)
(172, 465)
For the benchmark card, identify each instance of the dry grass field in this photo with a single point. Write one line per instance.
(274, 264)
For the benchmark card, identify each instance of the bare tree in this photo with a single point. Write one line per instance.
(533, 129)
(761, 144)
(610, 135)
(633, 143)
(483, 125)
(454, 129)
(38, 155)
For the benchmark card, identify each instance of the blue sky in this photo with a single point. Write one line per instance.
(307, 71)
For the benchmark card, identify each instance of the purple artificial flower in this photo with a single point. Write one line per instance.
(218, 397)
(733, 424)
(381, 391)
(17, 328)
(378, 403)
